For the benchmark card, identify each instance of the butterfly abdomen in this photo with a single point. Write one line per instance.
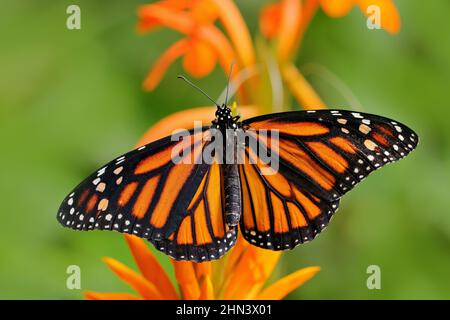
(232, 192)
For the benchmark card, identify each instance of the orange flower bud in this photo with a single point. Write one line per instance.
(204, 12)
(336, 8)
(199, 59)
(269, 20)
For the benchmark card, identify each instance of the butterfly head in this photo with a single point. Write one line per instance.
(224, 117)
(223, 112)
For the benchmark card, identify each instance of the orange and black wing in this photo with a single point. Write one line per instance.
(321, 155)
(147, 194)
(202, 234)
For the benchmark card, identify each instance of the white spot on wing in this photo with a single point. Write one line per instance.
(101, 171)
(357, 115)
(369, 144)
(364, 128)
(118, 170)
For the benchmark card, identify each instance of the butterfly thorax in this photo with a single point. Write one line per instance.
(224, 119)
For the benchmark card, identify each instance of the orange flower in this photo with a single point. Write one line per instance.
(288, 19)
(237, 30)
(203, 44)
(282, 20)
(240, 274)
(269, 20)
(390, 18)
(200, 10)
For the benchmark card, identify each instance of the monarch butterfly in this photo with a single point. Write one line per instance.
(191, 211)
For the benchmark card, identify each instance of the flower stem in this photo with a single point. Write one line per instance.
(300, 88)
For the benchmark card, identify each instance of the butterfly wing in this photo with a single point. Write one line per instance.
(203, 234)
(321, 156)
(147, 194)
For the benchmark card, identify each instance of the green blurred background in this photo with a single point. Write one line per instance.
(72, 100)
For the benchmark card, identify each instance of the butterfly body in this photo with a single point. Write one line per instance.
(229, 125)
(232, 194)
(191, 211)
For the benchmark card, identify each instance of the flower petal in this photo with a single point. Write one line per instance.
(199, 58)
(181, 119)
(250, 273)
(147, 24)
(222, 47)
(284, 286)
(308, 11)
(164, 16)
(237, 30)
(183, 22)
(187, 280)
(206, 288)
(150, 267)
(262, 267)
(336, 8)
(269, 20)
(203, 269)
(389, 16)
(289, 27)
(301, 89)
(146, 289)
(204, 12)
(236, 254)
(185, 119)
(93, 295)
(162, 64)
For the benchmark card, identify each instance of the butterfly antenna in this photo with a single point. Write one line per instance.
(228, 82)
(199, 89)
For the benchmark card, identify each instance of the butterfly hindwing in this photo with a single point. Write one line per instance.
(322, 155)
(203, 234)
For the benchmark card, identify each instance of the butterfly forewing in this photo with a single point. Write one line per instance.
(322, 155)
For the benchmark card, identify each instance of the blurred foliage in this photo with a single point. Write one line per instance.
(72, 100)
